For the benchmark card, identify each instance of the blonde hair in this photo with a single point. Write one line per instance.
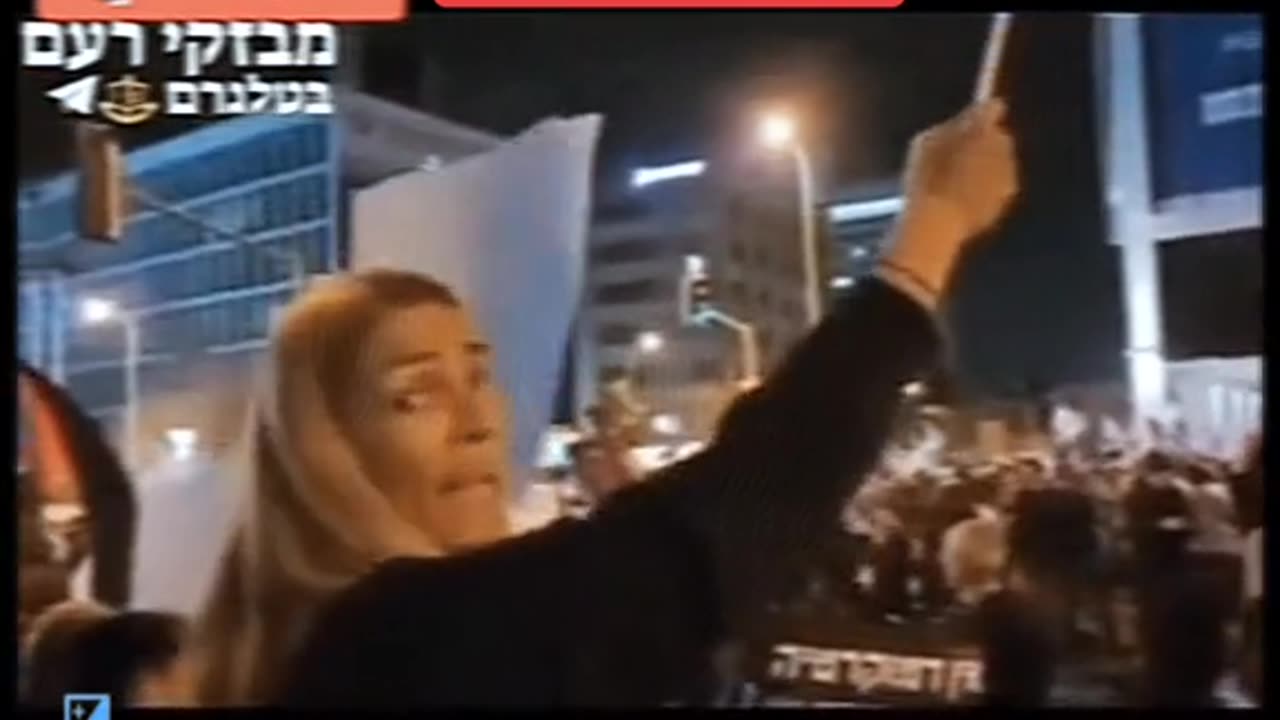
(313, 521)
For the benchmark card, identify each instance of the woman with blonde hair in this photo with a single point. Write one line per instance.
(372, 570)
(319, 514)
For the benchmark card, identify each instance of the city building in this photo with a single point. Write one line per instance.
(182, 280)
(230, 219)
(742, 222)
(630, 327)
(760, 255)
(757, 259)
(1183, 184)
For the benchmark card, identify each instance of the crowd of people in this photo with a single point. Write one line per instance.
(374, 564)
(1108, 581)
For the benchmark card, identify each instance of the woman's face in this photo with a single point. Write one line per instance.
(430, 425)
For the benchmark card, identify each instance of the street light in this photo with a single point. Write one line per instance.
(779, 132)
(99, 311)
(649, 342)
(95, 311)
(182, 442)
(645, 344)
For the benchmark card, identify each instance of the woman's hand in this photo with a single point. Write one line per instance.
(961, 177)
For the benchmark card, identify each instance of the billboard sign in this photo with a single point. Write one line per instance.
(1205, 106)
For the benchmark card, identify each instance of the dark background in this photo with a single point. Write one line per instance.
(1038, 304)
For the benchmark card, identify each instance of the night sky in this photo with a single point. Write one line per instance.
(1037, 303)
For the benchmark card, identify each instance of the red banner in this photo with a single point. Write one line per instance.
(222, 10)
(375, 10)
(668, 4)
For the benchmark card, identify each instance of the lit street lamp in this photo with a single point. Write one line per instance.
(779, 132)
(97, 311)
(646, 344)
(649, 343)
(182, 442)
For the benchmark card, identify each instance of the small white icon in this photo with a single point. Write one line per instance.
(118, 3)
(77, 97)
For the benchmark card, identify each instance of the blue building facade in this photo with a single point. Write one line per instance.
(270, 185)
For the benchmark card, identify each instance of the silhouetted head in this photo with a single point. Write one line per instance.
(131, 656)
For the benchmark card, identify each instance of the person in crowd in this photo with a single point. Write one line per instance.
(974, 554)
(891, 564)
(375, 570)
(1158, 520)
(40, 587)
(1021, 621)
(1248, 496)
(142, 653)
(134, 657)
(1055, 530)
(997, 593)
(1184, 643)
(600, 470)
(937, 660)
(1251, 671)
(1247, 488)
(42, 579)
(47, 650)
(1216, 545)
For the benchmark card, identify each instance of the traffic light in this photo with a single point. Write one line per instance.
(696, 296)
(103, 203)
(695, 291)
(700, 296)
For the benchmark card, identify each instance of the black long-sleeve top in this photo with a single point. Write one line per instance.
(626, 607)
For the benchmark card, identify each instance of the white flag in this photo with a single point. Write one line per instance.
(507, 231)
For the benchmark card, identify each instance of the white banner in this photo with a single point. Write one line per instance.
(186, 512)
(507, 231)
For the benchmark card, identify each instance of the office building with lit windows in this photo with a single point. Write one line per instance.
(269, 185)
(758, 257)
(745, 225)
(251, 206)
(638, 241)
